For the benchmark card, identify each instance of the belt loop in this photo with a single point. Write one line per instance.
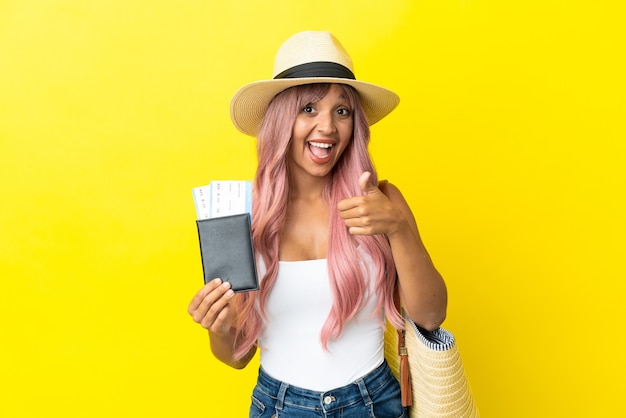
(364, 392)
(280, 396)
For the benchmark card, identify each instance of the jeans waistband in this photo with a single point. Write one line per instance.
(329, 400)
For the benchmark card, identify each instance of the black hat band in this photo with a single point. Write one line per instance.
(317, 69)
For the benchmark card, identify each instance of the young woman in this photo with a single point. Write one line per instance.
(331, 246)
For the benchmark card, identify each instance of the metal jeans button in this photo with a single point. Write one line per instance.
(328, 400)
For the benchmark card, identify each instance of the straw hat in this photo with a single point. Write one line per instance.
(307, 57)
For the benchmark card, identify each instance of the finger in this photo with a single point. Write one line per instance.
(361, 224)
(216, 317)
(357, 201)
(363, 228)
(199, 297)
(217, 299)
(212, 303)
(353, 209)
(357, 230)
(364, 183)
(348, 204)
(221, 324)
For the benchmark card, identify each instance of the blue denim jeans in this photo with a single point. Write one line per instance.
(376, 395)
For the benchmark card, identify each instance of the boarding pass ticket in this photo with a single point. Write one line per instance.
(223, 198)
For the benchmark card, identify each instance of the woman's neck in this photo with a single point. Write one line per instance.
(308, 188)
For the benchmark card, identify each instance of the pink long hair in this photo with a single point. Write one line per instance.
(269, 208)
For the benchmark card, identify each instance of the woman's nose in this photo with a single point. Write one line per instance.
(326, 122)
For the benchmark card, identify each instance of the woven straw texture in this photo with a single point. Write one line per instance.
(440, 387)
(249, 103)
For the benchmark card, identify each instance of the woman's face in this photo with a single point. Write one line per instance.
(321, 132)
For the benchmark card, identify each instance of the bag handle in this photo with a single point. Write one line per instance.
(405, 373)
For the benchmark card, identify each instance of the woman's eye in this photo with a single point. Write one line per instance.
(307, 109)
(344, 112)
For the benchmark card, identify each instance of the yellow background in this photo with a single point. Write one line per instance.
(508, 144)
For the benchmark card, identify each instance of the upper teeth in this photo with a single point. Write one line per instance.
(320, 145)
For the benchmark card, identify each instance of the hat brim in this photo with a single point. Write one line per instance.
(250, 102)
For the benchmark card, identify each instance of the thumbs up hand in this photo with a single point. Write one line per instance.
(371, 213)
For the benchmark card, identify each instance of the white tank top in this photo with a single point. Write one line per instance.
(290, 343)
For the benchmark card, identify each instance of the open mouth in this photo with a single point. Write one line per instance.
(320, 149)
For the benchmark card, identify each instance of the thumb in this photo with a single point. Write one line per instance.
(364, 183)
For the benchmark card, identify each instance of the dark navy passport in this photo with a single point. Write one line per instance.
(227, 251)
